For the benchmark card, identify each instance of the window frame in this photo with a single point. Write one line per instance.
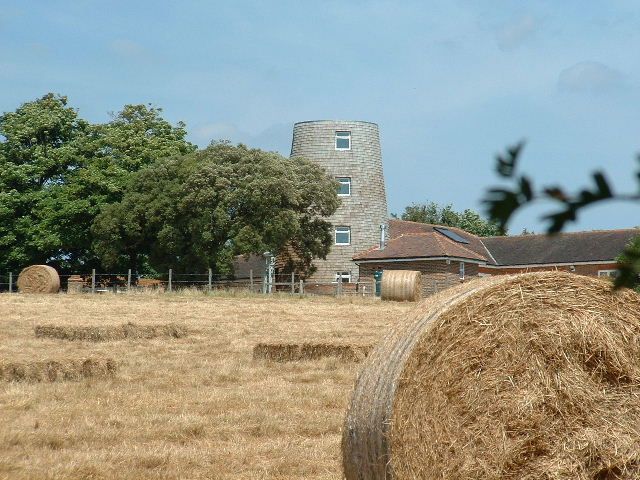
(609, 273)
(461, 270)
(345, 274)
(347, 136)
(339, 179)
(345, 229)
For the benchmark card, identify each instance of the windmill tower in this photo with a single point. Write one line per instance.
(350, 152)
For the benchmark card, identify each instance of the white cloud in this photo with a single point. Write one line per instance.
(515, 33)
(589, 77)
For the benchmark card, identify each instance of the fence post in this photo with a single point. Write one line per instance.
(93, 280)
(251, 280)
(10, 282)
(129, 281)
(301, 288)
(170, 275)
(339, 285)
(293, 285)
(210, 278)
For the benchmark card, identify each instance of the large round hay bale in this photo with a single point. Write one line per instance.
(401, 285)
(532, 376)
(38, 279)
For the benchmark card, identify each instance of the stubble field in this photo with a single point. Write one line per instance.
(193, 407)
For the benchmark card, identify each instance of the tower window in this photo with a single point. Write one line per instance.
(344, 186)
(343, 235)
(344, 276)
(343, 140)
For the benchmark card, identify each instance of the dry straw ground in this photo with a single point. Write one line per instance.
(192, 407)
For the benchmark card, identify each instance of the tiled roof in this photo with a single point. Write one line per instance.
(420, 245)
(599, 245)
(420, 240)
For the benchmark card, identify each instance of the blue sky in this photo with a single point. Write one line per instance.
(450, 83)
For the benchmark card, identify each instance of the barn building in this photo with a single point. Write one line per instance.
(447, 256)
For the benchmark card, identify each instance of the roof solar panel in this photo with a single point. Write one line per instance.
(452, 235)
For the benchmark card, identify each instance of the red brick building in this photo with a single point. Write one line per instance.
(448, 255)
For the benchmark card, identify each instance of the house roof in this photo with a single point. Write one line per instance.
(420, 240)
(415, 240)
(599, 245)
(401, 227)
(420, 245)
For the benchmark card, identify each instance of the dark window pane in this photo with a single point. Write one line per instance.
(344, 187)
(451, 234)
(342, 142)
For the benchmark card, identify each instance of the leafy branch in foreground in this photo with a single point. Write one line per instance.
(503, 202)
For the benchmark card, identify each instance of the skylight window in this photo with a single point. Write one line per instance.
(451, 235)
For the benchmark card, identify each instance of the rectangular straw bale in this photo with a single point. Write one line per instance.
(292, 352)
(110, 333)
(57, 370)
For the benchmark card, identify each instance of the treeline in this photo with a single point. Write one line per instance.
(134, 193)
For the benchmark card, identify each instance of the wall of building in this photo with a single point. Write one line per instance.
(437, 275)
(366, 208)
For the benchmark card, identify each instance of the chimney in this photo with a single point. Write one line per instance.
(383, 236)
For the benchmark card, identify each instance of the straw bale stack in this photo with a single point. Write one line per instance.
(401, 285)
(38, 279)
(110, 332)
(293, 352)
(515, 377)
(66, 369)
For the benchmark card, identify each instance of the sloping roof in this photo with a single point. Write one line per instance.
(420, 240)
(599, 245)
(420, 245)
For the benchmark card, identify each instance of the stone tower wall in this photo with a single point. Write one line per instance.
(366, 208)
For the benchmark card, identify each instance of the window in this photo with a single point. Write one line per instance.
(451, 234)
(343, 235)
(343, 140)
(346, 277)
(344, 189)
(608, 273)
(461, 270)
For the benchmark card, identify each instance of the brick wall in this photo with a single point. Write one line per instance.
(366, 208)
(437, 275)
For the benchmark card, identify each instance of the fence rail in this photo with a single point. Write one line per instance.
(122, 282)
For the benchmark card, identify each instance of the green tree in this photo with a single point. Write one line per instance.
(503, 201)
(36, 156)
(467, 220)
(57, 171)
(199, 210)
(135, 137)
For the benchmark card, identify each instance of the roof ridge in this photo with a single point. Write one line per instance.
(529, 235)
(486, 249)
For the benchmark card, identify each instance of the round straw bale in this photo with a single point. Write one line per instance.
(38, 279)
(401, 285)
(527, 376)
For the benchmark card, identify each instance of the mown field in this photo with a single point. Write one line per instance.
(192, 407)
